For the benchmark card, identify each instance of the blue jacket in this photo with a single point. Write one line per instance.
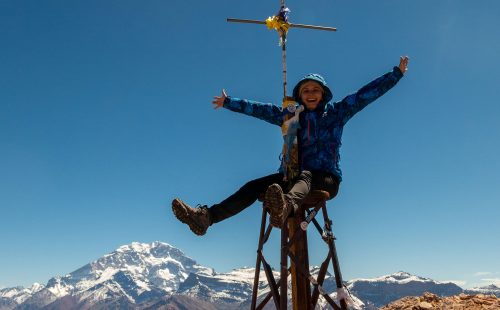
(320, 133)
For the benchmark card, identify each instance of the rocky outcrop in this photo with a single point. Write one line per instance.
(430, 301)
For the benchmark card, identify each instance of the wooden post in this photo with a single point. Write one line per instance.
(301, 289)
(294, 249)
(284, 269)
(259, 260)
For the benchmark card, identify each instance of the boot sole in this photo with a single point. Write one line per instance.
(180, 211)
(276, 204)
(182, 215)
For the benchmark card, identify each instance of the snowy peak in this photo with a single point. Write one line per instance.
(134, 252)
(400, 277)
(489, 287)
(492, 287)
(138, 255)
(20, 294)
(134, 272)
(382, 290)
(487, 290)
(159, 262)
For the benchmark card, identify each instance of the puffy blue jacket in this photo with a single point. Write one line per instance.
(320, 133)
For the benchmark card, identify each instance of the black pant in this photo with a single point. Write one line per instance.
(297, 189)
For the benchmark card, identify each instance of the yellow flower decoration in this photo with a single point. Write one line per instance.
(278, 24)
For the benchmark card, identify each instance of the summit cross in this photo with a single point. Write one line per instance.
(280, 23)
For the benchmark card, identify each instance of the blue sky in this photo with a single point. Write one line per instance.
(106, 117)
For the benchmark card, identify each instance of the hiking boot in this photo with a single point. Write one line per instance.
(278, 204)
(198, 219)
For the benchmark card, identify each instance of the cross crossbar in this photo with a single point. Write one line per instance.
(251, 21)
(283, 33)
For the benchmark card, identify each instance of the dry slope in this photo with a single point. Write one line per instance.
(433, 302)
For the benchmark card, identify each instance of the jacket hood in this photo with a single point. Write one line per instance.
(327, 96)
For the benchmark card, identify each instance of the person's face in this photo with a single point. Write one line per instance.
(311, 94)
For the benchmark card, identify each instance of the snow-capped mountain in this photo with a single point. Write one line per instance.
(383, 290)
(10, 297)
(160, 276)
(486, 290)
(232, 287)
(139, 275)
(134, 273)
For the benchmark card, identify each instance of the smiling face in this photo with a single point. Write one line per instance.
(311, 94)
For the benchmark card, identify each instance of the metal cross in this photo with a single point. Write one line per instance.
(281, 24)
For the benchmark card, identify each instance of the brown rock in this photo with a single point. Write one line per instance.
(429, 297)
(460, 302)
(425, 305)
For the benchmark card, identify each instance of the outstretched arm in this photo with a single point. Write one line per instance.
(354, 103)
(264, 111)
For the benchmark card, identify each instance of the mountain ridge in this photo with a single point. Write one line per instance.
(141, 275)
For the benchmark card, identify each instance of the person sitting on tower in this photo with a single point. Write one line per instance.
(319, 138)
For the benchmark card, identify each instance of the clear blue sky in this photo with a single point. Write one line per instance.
(105, 117)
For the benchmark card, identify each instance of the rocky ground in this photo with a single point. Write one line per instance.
(458, 302)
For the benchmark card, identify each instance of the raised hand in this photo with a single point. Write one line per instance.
(218, 102)
(403, 63)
